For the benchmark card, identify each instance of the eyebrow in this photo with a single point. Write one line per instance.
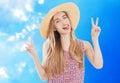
(58, 18)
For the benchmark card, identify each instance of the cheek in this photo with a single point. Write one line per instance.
(67, 21)
(58, 26)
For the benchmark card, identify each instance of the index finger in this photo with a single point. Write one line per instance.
(31, 41)
(92, 21)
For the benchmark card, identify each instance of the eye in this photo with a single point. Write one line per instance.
(64, 17)
(57, 21)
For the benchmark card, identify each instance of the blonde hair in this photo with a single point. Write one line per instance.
(55, 58)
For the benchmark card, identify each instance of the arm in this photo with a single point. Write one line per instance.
(94, 54)
(31, 50)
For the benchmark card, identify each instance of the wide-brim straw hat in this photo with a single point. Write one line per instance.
(70, 8)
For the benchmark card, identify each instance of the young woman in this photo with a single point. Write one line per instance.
(63, 53)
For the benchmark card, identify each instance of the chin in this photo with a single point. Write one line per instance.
(66, 32)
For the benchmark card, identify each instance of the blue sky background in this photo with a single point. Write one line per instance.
(20, 19)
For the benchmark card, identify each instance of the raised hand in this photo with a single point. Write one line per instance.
(30, 47)
(95, 30)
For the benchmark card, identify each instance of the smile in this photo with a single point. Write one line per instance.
(66, 27)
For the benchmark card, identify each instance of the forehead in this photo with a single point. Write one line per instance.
(59, 15)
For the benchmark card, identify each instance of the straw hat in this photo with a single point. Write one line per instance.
(70, 8)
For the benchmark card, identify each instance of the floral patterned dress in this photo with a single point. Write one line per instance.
(72, 73)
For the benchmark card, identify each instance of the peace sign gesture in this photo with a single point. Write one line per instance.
(95, 30)
(30, 47)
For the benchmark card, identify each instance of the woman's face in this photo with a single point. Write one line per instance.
(62, 23)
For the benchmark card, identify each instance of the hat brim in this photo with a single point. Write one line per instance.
(70, 8)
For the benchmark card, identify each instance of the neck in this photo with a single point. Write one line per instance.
(65, 42)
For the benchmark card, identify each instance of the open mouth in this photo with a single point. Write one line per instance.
(66, 27)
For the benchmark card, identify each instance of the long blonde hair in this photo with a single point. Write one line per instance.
(55, 58)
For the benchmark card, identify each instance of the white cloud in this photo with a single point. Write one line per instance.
(17, 36)
(19, 9)
(11, 38)
(31, 70)
(4, 3)
(3, 73)
(41, 1)
(21, 35)
(28, 7)
(28, 28)
(33, 27)
(18, 13)
(21, 66)
(22, 48)
(2, 34)
(24, 31)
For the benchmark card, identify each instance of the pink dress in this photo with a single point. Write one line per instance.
(71, 73)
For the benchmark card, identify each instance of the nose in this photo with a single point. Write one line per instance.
(63, 21)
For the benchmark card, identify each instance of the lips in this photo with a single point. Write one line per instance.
(66, 27)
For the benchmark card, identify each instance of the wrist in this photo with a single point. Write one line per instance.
(95, 41)
(35, 57)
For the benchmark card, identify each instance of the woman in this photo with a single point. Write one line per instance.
(63, 54)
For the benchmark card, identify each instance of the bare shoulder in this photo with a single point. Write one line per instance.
(87, 44)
